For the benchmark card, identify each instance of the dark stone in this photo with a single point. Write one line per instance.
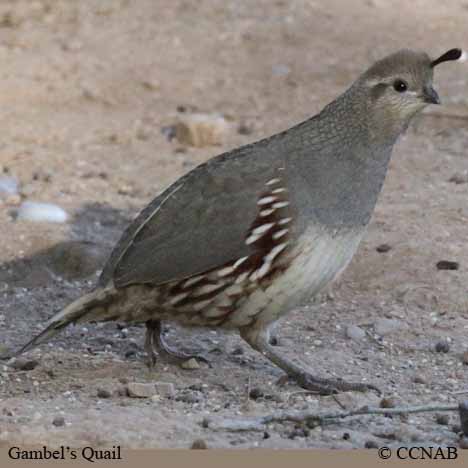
(24, 364)
(447, 265)
(256, 393)
(103, 393)
(442, 347)
(199, 444)
(371, 444)
(58, 421)
(382, 248)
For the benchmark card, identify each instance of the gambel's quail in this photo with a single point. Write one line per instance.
(246, 237)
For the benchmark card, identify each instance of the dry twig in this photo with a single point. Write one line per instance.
(317, 417)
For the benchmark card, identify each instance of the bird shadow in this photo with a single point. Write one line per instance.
(92, 232)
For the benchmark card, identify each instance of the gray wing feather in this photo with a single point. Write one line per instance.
(199, 223)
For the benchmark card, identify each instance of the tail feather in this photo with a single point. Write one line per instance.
(78, 311)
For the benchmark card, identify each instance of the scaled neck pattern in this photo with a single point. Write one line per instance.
(341, 162)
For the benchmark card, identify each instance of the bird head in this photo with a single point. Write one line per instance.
(400, 85)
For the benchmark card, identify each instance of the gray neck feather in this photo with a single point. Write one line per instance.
(340, 159)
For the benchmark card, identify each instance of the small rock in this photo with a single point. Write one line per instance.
(58, 421)
(456, 428)
(165, 389)
(280, 70)
(443, 419)
(371, 444)
(151, 84)
(237, 351)
(442, 347)
(388, 403)
(355, 333)
(189, 397)
(197, 387)
(274, 341)
(459, 178)
(13, 200)
(419, 379)
(122, 391)
(42, 175)
(8, 186)
(141, 390)
(463, 443)
(190, 364)
(385, 326)
(23, 364)
(201, 129)
(41, 212)
(299, 431)
(447, 265)
(256, 393)
(465, 358)
(406, 433)
(244, 129)
(103, 393)
(199, 444)
(169, 132)
(382, 248)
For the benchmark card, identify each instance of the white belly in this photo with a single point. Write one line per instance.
(322, 257)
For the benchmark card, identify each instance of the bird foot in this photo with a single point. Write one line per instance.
(179, 358)
(331, 386)
(156, 345)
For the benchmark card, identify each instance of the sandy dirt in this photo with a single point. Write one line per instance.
(87, 90)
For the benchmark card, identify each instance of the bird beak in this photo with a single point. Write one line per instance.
(430, 95)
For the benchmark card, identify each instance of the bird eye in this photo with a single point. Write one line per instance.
(400, 86)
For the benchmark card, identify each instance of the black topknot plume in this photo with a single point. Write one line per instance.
(452, 54)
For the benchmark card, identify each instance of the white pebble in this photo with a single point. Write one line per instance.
(386, 326)
(34, 211)
(355, 333)
(8, 186)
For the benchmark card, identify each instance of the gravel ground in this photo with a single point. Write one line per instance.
(90, 94)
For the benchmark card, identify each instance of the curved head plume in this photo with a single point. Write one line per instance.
(452, 54)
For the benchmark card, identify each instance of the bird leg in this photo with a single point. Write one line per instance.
(155, 344)
(152, 331)
(258, 338)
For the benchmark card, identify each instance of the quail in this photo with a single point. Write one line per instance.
(246, 237)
